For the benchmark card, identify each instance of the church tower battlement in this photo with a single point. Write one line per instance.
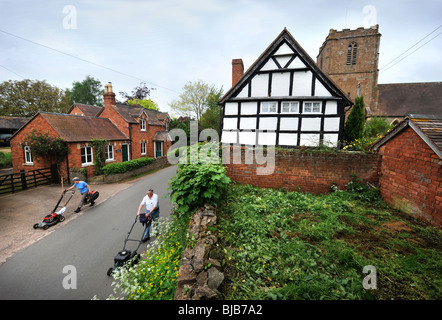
(350, 58)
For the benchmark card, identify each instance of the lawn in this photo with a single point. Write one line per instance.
(292, 245)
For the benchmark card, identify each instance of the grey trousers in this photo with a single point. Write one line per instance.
(83, 197)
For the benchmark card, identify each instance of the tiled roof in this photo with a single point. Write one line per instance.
(87, 109)
(428, 127)
(132, 113)
(162, 136)
(400, 99)
(12, 123)
(72, 128)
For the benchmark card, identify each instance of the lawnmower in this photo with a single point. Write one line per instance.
(91, 197)
(125, 256)
(56, 216)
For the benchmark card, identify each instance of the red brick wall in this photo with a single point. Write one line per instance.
(411, 177)
(311, 172)
(17, 151)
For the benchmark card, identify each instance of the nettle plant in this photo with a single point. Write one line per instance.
(198, 183)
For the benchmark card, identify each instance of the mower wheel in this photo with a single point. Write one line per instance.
(109, 271)
(36, 226)
(61, 218)
(45, 227)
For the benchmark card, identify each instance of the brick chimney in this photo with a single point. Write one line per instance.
(108, 95)
(237, 70)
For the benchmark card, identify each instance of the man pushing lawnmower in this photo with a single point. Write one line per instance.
(87, 195)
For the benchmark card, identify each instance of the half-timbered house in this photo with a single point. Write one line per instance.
(283, 99)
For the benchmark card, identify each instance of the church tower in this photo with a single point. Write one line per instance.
(350, 58)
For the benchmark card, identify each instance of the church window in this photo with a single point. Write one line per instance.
(352, 53)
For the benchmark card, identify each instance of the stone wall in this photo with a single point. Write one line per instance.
(200, 273)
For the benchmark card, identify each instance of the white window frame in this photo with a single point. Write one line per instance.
(87, 154)
(28, 155)
(304, 110)
(143, 124)
(291, 106)
(109, 152)
(265, 107)
(143, 148)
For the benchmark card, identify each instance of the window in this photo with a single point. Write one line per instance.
(86, 155)
(312, 107)
(268, 107)
(28, 155)
(143, 147)
(143, 125)
(351, 53)
(290, 107)
(109, 152)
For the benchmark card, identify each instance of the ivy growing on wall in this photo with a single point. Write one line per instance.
(45, 146)
(100, 154)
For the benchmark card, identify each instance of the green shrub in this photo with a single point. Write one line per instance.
(5, 160)
(121, 167)
(194, 185)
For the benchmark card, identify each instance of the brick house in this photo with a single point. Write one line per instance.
(132, 132)
(411, 170)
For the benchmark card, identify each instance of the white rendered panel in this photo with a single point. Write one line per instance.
(331, 124)
(248, 107)
(311, 124)
(230, 123)
(270, 65)
(247, 137)
(247, 123)
(288, 124)
(267, 138)
(297, 63)
(231, 108)
(244, 92)
(268, 123)
(260, 85)
(331, 107)
(229, 137)
(283, 60)
(284, 49)
(320, 90)
(310, 140)
(288, 139)
(302, 83)
(280, 84)
(331, 139)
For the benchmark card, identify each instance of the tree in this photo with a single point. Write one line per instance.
(354, 126)
(211, 118)
(145, 103)
(89, 91)
(139, 93)
(26, 97)
(193, 100)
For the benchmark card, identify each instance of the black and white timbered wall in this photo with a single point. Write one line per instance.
(283, 99)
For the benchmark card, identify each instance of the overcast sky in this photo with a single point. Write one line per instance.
(166, 43)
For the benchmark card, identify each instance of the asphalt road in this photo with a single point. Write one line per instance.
(83, 249)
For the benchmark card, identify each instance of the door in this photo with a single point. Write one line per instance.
(158, 149)
(125, 151)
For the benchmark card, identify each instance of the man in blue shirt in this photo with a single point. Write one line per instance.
(83, 187)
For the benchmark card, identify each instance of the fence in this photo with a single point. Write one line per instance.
(23, 180)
